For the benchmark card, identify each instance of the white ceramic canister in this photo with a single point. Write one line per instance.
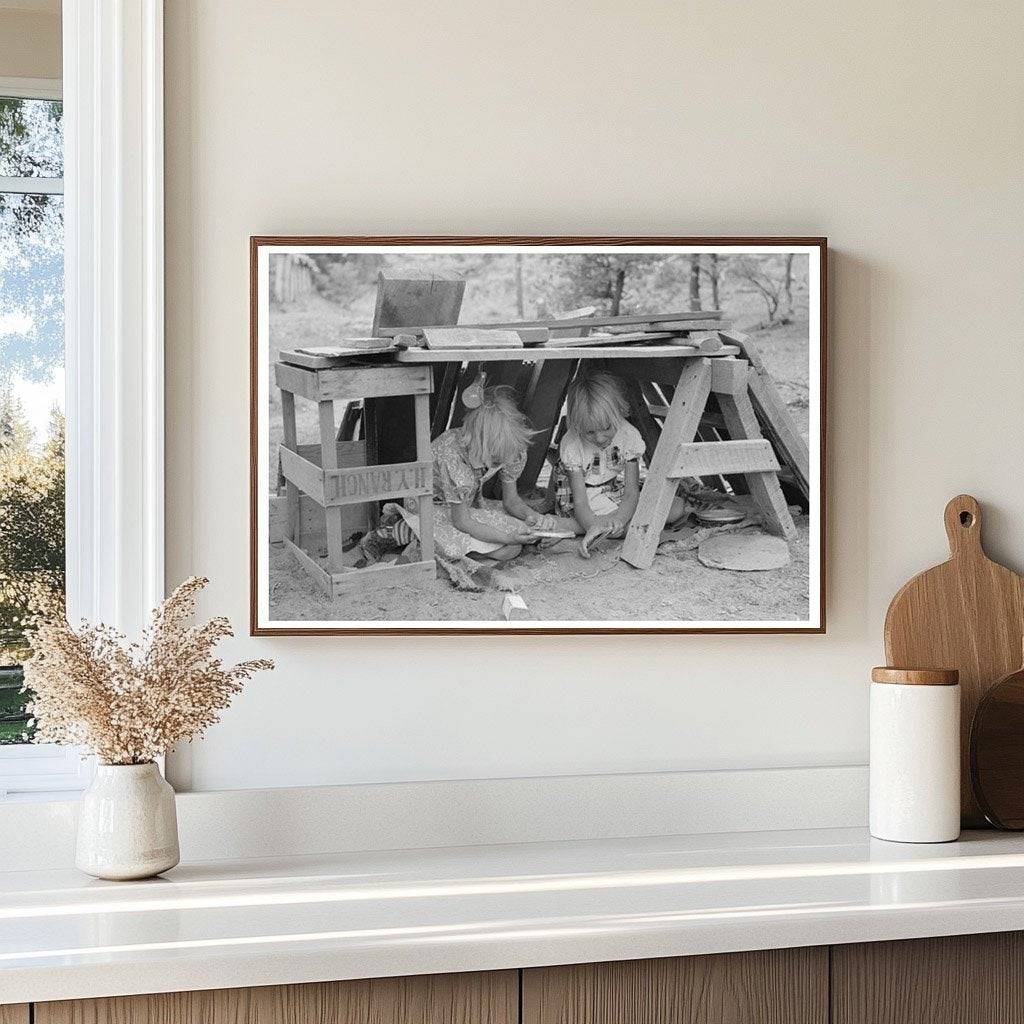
(915, 755)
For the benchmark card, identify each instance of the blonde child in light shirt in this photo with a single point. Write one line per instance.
(597, 480)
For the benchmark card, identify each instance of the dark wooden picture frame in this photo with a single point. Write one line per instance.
(418, 383)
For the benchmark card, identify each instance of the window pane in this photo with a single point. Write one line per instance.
(31, 432)
(31, 138)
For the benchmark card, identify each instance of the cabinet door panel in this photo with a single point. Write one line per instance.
(778, 986)
(482, 998)
(960, 979)
(14, 1013)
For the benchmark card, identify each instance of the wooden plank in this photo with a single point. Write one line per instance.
(533, 335)
(296, 380)
(404, 300)
(312, 520)
(313, 528)
(542, 352)
(640, 413)
(329, 462)
(773, 986)
(445, 380)
(425, 504)
(959, 979)
(729, 376)
(351, 420)
(610, 339)
(327, 356)
(348, 345)
(691, 395)
(349, 453)
(742, 423)
(543, 405)
(716, 458)
(554, 323)
(470, 337)
(705, 346)
(377, 483)
(380, 577)
(771, 411)
(676, 327)
(684, 325)
(315, 572)
(372, 381)
(290, 442)
(308, 477)
(14, 1013)
(478, 998)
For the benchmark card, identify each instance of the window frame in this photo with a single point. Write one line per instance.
(112, 91)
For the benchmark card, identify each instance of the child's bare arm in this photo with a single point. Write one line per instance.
(580, 502)
(515, 506)
(630, 498)
(464, 521)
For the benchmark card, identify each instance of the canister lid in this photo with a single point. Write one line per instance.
(916, 676)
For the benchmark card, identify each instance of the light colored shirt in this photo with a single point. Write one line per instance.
(601, 465)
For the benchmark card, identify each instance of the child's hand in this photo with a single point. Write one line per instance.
(522, 537)
(595, 533)
(540, 522)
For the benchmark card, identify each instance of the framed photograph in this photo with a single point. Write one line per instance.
(537, 435)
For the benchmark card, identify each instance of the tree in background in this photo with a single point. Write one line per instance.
(343, 276)
(771, 278)
(31, 526)
(713, 269)
(614, 283)
(694, 283)
(786, 305)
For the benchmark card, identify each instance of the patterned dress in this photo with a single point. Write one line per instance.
(457, 481)
(604, 469)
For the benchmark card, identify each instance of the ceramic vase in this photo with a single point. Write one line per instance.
(127, 825)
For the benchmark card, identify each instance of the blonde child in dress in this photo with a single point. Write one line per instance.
(491, 441)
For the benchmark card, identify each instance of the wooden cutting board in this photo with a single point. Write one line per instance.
(967, 614)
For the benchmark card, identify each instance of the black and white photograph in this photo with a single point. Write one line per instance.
(537, 435)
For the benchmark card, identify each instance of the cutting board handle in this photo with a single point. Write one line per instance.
(963, 526)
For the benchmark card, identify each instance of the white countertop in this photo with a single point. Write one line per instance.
(261, 922)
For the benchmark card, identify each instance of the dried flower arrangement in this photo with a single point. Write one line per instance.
(130, 703)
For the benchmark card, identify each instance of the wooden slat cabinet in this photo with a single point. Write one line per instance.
(482, 998)
(970, 979)
(777, 986)
(962, 979)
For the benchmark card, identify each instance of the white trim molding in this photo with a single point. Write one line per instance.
(113, 109)
(31, 88)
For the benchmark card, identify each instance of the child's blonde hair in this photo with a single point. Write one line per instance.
(596, 402)
(497, 431)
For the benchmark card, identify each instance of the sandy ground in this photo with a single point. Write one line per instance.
(561, 586)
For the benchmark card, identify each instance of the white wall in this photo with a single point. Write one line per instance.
(30, 40)
(895, 129)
